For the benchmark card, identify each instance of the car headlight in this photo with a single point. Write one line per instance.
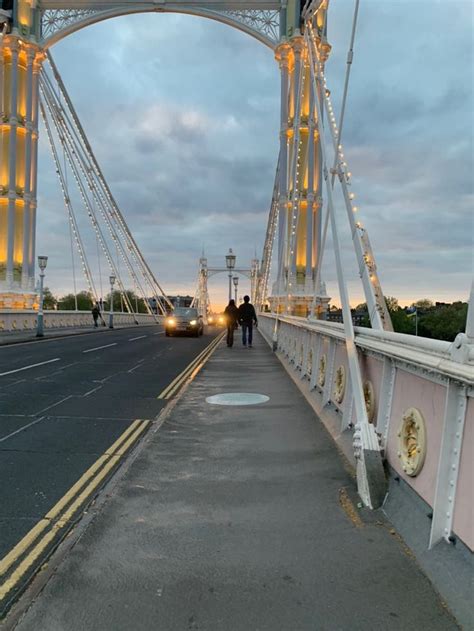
(221, 320)
(171, 321)
(193, 322)
(210, 320)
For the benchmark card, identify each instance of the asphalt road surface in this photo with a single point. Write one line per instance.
(63, 402)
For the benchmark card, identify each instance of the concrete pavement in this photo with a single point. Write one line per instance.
(63, 403)
(237, 518)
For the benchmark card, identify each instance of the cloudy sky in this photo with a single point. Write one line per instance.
(183, 115)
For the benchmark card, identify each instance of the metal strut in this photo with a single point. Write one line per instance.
(370, 474)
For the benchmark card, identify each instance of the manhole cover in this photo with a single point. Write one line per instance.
(237, 398)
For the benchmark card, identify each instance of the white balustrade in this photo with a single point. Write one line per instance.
(418, 396)
(26, 320)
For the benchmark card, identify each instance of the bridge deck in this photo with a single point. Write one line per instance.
(238, 518)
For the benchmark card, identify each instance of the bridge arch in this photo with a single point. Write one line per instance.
(244, 21)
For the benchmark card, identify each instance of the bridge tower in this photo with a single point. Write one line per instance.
(300, 172)
(20, 63)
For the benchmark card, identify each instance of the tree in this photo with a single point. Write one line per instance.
(392, 303)
(84, 301)
(445, 322)
(423, 305)
(49, 301)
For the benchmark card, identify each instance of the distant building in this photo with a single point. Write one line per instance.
(358, 317)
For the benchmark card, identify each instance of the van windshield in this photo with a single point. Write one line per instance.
(185, 312)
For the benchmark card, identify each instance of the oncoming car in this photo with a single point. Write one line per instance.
(216, 319)
(184, 320)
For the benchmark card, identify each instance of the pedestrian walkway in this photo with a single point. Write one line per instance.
(237, 518)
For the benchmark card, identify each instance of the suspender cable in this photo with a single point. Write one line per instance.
(116, 211)
(262, 282)
(96, 185)
(378, 313)
(76, 153)
(67, 201)
(85, 198)
(350, 56)
(70, 238)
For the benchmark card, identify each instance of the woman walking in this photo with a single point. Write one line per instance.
(231, 314)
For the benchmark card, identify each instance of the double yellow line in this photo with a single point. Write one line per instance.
(18, 562)
(190, 371)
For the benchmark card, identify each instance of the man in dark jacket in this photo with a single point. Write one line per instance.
(247, 317)
(231, 314)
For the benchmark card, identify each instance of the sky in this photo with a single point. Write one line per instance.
(183, 115)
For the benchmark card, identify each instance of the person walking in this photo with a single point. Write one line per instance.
(95, 314)
(231, 314)
(247, 318)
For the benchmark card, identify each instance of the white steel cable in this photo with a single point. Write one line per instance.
(350, 56)
(116, 211)
(96, 185)
(67, 200)
(83, 193)
(71, 238)
(76, 153)
(378, 313)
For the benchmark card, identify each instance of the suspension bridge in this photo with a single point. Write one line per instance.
(399, 408)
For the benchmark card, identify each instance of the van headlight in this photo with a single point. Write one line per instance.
(171, 321)
(193, 322)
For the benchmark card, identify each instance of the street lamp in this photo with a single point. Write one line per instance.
(230, 264)
(236, 284)
(111, 314)
(42, 262)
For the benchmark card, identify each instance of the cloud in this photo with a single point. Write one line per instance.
(183, 115)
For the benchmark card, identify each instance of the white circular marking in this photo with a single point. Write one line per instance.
(237, 398)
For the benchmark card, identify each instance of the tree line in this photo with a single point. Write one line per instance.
(85, 301)
(440, 321)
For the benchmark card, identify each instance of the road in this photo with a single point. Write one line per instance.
(63, 402)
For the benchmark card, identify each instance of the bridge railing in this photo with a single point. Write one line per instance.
(26, 320)
(417, 394)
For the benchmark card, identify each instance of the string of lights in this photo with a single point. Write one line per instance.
(378, 312)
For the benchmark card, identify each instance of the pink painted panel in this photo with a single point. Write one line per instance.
(340, 359)
(372, 369)
(413, 391)
(463, 519)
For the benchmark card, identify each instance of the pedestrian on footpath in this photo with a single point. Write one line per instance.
(95, 314)
(231, 314)
(247, 318)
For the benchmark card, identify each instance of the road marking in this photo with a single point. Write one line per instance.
(140, 337)
(10, 372)
(53, 405)
(91, 391)
(14, 383)
(98, 348)
(63, 512)
(159, 333)
(21, 429)
(134, 368)
(191, 370)
(30, 537)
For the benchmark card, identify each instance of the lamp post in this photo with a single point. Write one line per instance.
(42, 262)
(230, 264)
(236, 284)
(111, 314)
